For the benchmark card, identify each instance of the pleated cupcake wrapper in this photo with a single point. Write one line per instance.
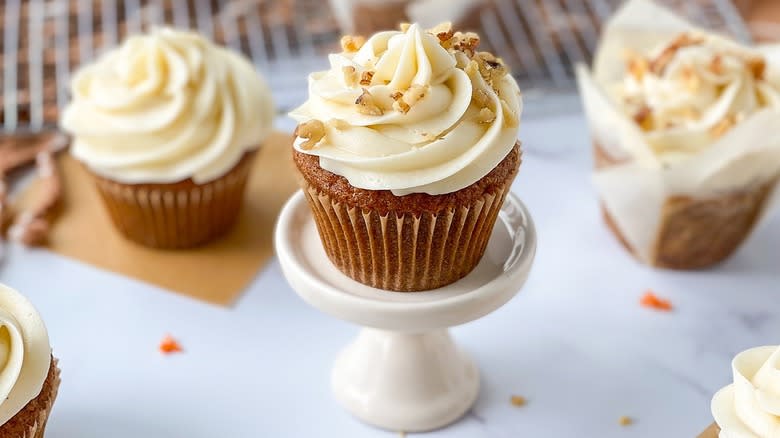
(38, 428)
(405, 252)
(695, 233)
(176, 215)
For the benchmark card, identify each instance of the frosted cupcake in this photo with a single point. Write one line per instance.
(682, 127)
(169, 124)
(29, 377)
(407, 147)
(750, 407)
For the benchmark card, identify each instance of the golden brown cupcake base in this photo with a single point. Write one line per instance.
(176, 215)
(30, 422)
(697, 233)
(712, 432)
(412, 243)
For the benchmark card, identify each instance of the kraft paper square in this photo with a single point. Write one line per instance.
(218, 272)
(711, 432)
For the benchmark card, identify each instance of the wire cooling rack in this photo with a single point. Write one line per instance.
(43, 41)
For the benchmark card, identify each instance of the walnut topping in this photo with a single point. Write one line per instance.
(404, 26)
(757, 66)
(365, 78)
(399, 104)
(351, 43)
(510, 117)
(415, 93)
(480, 97)
(691, 79)
(443, 32)
(716, 65)
(644, 118)
(658, 65)
(491, 68)
(486, 115)
(313, 131)
(367, 105)
(724, 125)
(464, 42)
(637, 65)
(350, 75)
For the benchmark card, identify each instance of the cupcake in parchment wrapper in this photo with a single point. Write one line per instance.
(407, 148)
(750, 406)
(686, 152)
(29, 376)
(168, 125)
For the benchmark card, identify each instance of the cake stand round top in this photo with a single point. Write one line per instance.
(498, 277)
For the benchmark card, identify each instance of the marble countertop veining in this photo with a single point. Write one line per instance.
(575, 343)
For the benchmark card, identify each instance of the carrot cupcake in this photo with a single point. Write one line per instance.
(29, 377)
(750, 407)
(168, 124)
(682, 125)
(407, 147)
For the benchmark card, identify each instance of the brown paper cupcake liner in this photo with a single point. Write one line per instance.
(176, 215)
(697, 233)
(712, 432)
(31, 421)
(405, 252)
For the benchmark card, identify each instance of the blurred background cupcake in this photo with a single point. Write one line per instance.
(169, 124)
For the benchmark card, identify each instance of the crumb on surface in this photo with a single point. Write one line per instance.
(625, 420)
(652, 301)
(169, 345)
(518, 400)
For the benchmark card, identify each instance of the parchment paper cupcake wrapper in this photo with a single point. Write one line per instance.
(405, 252)
(698, 232)
(690, 214)
(178, 215)
(38, 428)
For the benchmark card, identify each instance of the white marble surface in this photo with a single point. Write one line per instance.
(575, 342)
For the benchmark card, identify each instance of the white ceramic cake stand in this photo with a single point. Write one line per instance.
(404, 372)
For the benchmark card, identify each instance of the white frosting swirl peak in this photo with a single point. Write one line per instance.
(165, 107)
(750, 408)
(438, 145)
(25, 353)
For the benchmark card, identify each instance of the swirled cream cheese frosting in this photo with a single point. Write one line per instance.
(750, 407)
(165, 107)
(692, 90)
(411, 111)
(25, 353)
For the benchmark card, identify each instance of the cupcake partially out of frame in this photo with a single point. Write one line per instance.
(168, 124)
(29, 377)
(407, 148)
(684, 132)
(750, 406)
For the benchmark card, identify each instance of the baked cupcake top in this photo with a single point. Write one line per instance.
(25, 353)
(750, 407)
(691, 90)
(411, 111)
(166, 107)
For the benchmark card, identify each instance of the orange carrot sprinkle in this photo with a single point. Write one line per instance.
(651, 300)
(170, 345)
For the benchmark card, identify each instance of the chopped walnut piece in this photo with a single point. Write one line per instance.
(510, 117)
(351, 43)
(691, 78)
(465, 42)
(400, 105)
(716, 65)
(313, 131)
(757, 66)
(644, 118)
(625, 420)
(658, 65)
(443, 32)
(486, 115)
(491, 68)
(367, 104)
(350, 75)
(724, 125)
(480, 97)
(415, 93)
(637, 65)
(518, 400)
(365, 78)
